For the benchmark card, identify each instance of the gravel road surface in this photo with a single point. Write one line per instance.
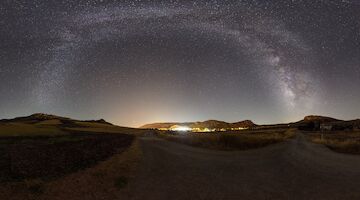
(295, 169)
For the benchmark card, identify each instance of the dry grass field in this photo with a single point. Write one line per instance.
(339, 141)
(232, 140)
(52, 157)
(22, 129)
(55, 127)
(101, 128)
(105, 178)
(43, 157)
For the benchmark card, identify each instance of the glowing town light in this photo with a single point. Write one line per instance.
(181, 128)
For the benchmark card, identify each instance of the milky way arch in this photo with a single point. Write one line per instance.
(276, 53)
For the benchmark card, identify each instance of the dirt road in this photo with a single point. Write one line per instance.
(295, 169)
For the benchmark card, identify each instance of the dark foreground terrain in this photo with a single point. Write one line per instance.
(45, 157)
(295, 169)
(49, 157)
(99, 166)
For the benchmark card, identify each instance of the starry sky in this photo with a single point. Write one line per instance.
(136, 62)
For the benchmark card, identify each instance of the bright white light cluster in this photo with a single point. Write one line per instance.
(181, 128)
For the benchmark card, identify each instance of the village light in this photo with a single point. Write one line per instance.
(181, 128)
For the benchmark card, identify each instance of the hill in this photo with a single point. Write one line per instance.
(40, 124)
(41, 117)
(212, 124)
(313, 122)
(317, 118)
(245, 123)
(47, 147)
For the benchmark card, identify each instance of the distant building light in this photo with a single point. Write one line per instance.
(180, 128)
(239, 128)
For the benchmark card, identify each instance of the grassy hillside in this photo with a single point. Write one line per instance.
(21, 129)
(43, 145)
(51, 125)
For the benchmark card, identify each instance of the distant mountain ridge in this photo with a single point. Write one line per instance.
(40, 117)
(311, 122)
(212, 124)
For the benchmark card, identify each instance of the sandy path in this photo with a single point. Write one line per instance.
(295, 169)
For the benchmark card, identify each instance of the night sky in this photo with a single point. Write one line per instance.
(136, 62)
